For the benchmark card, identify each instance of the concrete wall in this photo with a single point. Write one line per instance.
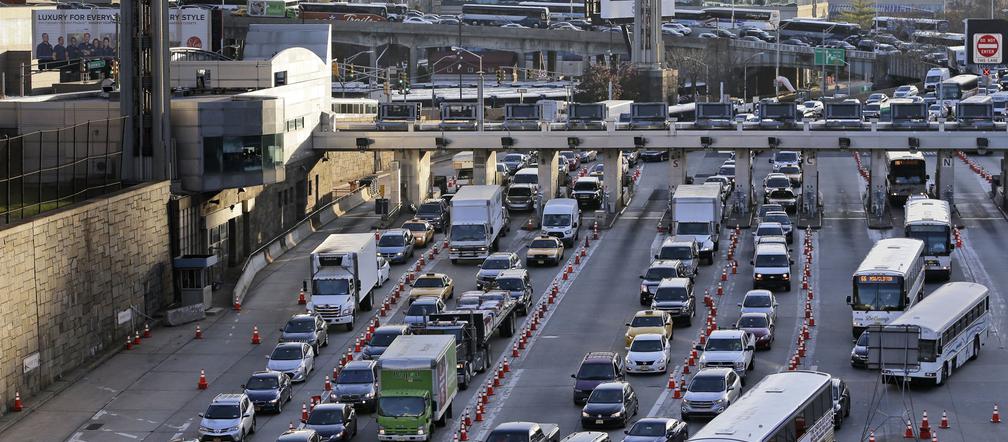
(15, 44)
(67, 276)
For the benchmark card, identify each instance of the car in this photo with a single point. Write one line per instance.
(765, 228)
(727, 171)
(759, 301)
(417, 21)
(514, 162)
(588, 191)
(521, 197)
(268, 390)
(746, 117)
(587, 156)
(841, 401)
(564, 26)
(357, 385)
(572, 158)
(514, 26)
(877, 97)
(381, 339)
(306, 327)
(229, 416)
(657, 429)
(751, 38)
(544, 249)
(648, 353)
(656, 272)
(436, 285)
(760, 34)
(772, 266)
(775, 181)
(724, 182)
(734, 349)
(905, 91)
(675, 296)
(685, 249)
(886, 49)
(597, 171)
(785, 196)
(784, 220)
(435, 211)
(648, 322)
(518, 285)
(792, 172)
(859, 354)
(450, 21)
(420, 309)
(422, 231)
(494, 264)
(867, 45)
(632, 157)
(710, 392)
(795, 42)
(785, 157)
(937, 111)
(469, 300)
(296, 359)
(524, 432)
(761, 327)
(396, 245)
(610, 403)
(384, 271)
(333, 422)
(767, 208)
(811, 108)
(654, 155)
(300, 435)
(671, 32)
(596, 368)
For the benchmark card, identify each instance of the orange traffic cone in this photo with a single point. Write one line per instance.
(18, 406)
(255, 334)
(129, 343)
(301, 298)
(463, 434)
(925, 427)
(304, 412)
(199, 333)
(671, 382)
(136, 338)
(908, 433)
(996, 417)
(944, 424)
(237, 304)
(146, 333)
(871, 436)
(202, 384)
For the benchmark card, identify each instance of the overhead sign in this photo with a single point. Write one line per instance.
(267, 8)
(624, 9)
(69, 34)
(830, 56)
(987, 48)
(985, 41)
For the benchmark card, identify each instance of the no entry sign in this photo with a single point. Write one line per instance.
(987, 48)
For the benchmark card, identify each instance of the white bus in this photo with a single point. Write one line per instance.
(906, 174)
(930, 220)
(355, 109)
(954, 321)
(958, 88)
(889, 280)
(498, 15)
(560, 11)
(785, 406)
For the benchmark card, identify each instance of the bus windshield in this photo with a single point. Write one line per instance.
(907, 172)
(878, 293)
(936, 238)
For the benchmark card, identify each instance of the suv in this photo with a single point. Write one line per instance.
(675, 296)
(306, 327)
(435, 211)
(841, 401)
(493, 265)
(735, 349)
(659, 270)
(588, 191)
(522, 196)
(268, 389)
(772, 266)
(516, 283)
(785, 222)
(357, 384)
(596, 368)
(229, 417)
(710, 392)
(382, 338)
(767, 228)
(396, 245)
(683, 248)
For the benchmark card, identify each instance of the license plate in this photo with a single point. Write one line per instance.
(258, 407)
(598, 421)
(542, 261)
(217, 439)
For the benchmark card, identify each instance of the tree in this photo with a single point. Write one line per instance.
(861, 12)
(594, 84)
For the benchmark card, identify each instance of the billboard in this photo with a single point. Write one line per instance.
(624, 9)
(267, 8)
(69, 34)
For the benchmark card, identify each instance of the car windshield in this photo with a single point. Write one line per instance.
(526, 178)
(790, 169)
(508, 436)
(778, 181)
(286, 353)
(676, 252)
(543, 244)
(884, 295)
(416, 227)
(330, 286)
(301, 325)
(519, 191)
(753, 321)
(767, 208)
(587, 186)
(692, 228)
(778, 218)
(875, 97)
(391, 241)
(325, 417)
(670, 294)
(808, 104)
(606, 396)
(772, 260)
(429, 209)
(757, 301)
(595, 371)
(556, 220)
(262, 383)
(222, 412)
(659, 273)
(513, 158)
(568, 154)
(496, 264)
(429, 283)
(790, 157)
(355, 377)
(421, 309)
(723, 344)
(770, 230)
(707, 384)
(468, 232)
(509, 284)
(726, 171)
(401, 406)
(647, 321)
(862, 341)
(468, 302)
(383, 339)
(642, 428)
(646, 345)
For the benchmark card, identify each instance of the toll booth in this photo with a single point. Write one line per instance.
(192, 276)
(714, 116)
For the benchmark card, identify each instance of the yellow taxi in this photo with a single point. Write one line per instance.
(432, 285)
(649, 321)
(543, 249)
(423, 231)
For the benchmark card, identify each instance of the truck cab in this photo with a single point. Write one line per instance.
(415, 390)
(479, 219)
(344, 273)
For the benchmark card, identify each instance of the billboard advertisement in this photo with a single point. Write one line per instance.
(69, 34)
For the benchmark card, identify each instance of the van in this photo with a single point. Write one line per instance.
(561, 218)
(527, 175)
(587, 436)
(772, 267)
(934, 77)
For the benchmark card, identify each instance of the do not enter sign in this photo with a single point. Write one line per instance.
(987, 48)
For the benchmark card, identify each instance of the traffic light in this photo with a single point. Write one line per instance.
(403, 82)
(500, 76)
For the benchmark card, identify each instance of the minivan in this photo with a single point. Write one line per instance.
(596, 368)
(561, 217)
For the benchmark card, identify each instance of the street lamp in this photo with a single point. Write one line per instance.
(479, 91)
(745, 75)
(777, 64)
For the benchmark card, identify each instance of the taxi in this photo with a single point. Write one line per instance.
(423, 231)
(649, 321)
(432, 285)
(544, 249)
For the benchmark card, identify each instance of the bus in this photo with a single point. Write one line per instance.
(942, 39)
(817, 30)
(903, 27)
(692, 18)
(354, 109)
(952, 323)
(889, 280)
(396, 11)
(363, 12)
(930, 220)
(800, 409)
(906, 174)
(740, 18)
(560, 11)
(958, 88)
(497, 15)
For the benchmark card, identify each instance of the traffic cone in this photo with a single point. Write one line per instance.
(925, 427)
(237, 304)
(199, 333)
(479, 411)
(671, 382)
(129, 343)
(996, 417)
(304, 412)
(136, 338)
(944, 424)
(255, 335)
(467, 421)
(290, 426)
(685, 367)
(463, 434)
(908, 433)
(514, 351)
(301, 298)
(506, 366)
(202, 384)
(720, 289)
(146, 333)
(871, 437)
(328, 384)
(724, 274)
(577, 258)
(18, 406)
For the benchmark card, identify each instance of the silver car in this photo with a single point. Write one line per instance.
(710, 392)
(296, 359)
(493, 265)
(759, 301)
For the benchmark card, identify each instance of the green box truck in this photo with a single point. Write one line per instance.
(416, 386)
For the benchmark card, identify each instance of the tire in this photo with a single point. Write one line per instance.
(454, 261)
(944, 374)
(787, 287)
(752, 364)
(242, 436)
(325, 343)
(451, 293)
(353, 318)
(976, 347)
(252, 431)
(279, 407)
(838, 423)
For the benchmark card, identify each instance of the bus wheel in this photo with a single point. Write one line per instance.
(976, 347)
(944, 374)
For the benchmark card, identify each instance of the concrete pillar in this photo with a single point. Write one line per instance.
(810, 183)
(485, 166)
(877, 183)
(742, 198)
(612, 179)
(549, 177)
(945, 176)
(414, 58)
(551, 61)
(415, 167)
(1004, 176)
(678, 172)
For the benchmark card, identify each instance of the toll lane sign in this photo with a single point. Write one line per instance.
(987, 48)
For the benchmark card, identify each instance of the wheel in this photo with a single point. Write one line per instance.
(350, 325)
(451, 293)
(752, 363)
(787, 287)
(454, 261)
(944, 374)
(838, 422)
(279, 407)
(325, 343)
(242, 436)
(976, 347)
(252, 430)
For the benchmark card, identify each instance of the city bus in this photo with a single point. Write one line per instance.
(958, 88)
(942, 39)
(906, 174)
(785, 406)
(354, 109)
(953, 322)
(817, 30)
(740, 18)
(363, 12)
(903, 27)
(930, 220)
(497, 15)
(560, 11)
(396, 11)
(889, 280)
(692, 18)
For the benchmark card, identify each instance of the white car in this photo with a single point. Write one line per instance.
(811, 108)
(417, 21)
(296, 359)
(230, 415)
(710, 392)
(649, 353)
(384, 270)
(759, 301)
(729, 348)
(767, 229)
(906, 91)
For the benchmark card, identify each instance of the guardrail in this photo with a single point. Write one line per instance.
(765, 46)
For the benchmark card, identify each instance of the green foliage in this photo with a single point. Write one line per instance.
(862, 13)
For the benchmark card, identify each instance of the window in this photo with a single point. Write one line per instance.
(212, 155)
(279, 78)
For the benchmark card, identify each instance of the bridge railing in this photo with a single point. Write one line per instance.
(765, 46)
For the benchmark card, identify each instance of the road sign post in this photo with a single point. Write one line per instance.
(828, 57)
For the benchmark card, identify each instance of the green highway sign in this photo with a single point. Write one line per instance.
(830, 56)
(95, 64)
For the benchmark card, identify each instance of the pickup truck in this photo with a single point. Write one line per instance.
(735, 349)
(524, 432)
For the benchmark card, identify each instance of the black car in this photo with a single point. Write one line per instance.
(357, 385)
(654, 155)
(611, 403)
(841, 402)
(333, 422)
(859, 354)
(268, 390)
(306, 327)
(435, 211)
(303, 435)
(657, 429)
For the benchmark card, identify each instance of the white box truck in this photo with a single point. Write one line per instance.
(462, 164)
(696, 212)
(344, 274)
(478, 220)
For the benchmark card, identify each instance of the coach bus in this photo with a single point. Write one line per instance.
(903, 27)
(958, 88)
(560, 11)
(817, 30)
(496, 15)
(930, 220)
(692, 18)
(740, 18)
(363, 12)
(354, 109)
(942, 39)
(954, 321)
(785, 406)
(906, 174)
(889, 280)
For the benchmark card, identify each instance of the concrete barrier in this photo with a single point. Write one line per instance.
(183, 315)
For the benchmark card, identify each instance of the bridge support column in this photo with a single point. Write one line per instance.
(414, 58)
(415, 167)
(1001, 185)
(549, 177)
(876, 208)
(678, 172)
(945, 177)
(612, 180)
(485, 166)
(809, 212)
(551, 61)
(741, 201)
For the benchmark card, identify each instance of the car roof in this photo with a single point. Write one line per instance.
(332, 405)
(611, 386)
(777, 212)
(290, 344)
(760, 292)
(360, 364)
(753, 314)
(512, 273)
(678, 239)
(392, 328)
(302, 316)
(673, 282)
(713, 372)
(771, 248)
(599, 355)
(649, 337)
(776, 175)
(507, 255)
(648, 313)
(665, 420)
(516, 426)
(228, 398)
(768, 224)
(546, 237)
(726, 334)
(417, 220)
(397, 232)
(432, 275)
(427, 300)
(665, 262)
(266, 374)
(587, 178)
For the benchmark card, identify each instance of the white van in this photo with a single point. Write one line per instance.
(561, 218)
(934, 77)
(528, 175)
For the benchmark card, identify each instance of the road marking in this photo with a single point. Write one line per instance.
(500, 397)
(128, 435)
(664, 396)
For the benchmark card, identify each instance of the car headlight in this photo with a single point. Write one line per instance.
(719, 401)
(454, 249)
(585, 414)
(232, 429)
(482, 249)
(399, 254)
(381, 431)
(567, 232)
(369, 395)
(644, 288)
(758, 276)
(205, 429)
(420, 431)
(787, 276)
(617, 414)
(740, 364)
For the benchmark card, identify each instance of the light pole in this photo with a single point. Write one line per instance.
(479, 92)
(849, 69)
(745, 75)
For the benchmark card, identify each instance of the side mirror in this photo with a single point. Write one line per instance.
(750, 347)
(281, 329)
(770, 160)
(200, 414)
(642, 276)
(740, 304)
(242, 386)
(753, 262)
(573, 376)
(626, 431)
(628, 324)
(848, 299)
